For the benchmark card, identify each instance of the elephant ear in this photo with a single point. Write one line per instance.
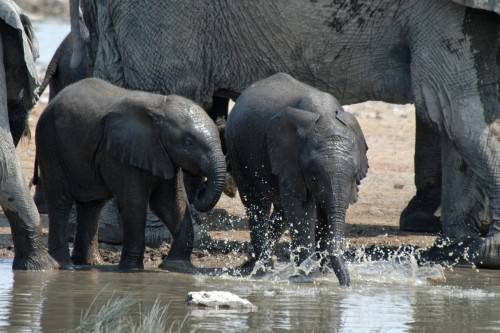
(285, 132)
(131, 137)
(350, 121)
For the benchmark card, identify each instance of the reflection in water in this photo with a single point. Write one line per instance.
(380, 312)
(6, 281)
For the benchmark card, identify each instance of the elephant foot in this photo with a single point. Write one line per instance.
(489, 253)
(36, 261)
(39, 200)
(30, 252)
(93, 259)
(128, 267)
(419, 216)
(178, 266)
(253, 267)
(447, 250)
(62, 258)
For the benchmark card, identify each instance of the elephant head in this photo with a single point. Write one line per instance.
(173, 133)
(320, 157)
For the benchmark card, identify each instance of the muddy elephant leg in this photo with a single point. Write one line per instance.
(419, 213)
(478, 143)
(15, 199)
(461, 99)
(86, 243)
(29, 247)
(464, 203)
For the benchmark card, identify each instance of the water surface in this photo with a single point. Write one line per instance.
(54, 301)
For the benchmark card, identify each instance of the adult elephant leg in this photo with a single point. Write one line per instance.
(465, 203)
(29, 247)
(86, 244)
(419, 214)
(15, 199)
(461, 99)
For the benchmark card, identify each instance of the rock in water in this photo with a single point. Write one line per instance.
(218, 300)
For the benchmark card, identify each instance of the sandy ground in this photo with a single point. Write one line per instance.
(373, 220)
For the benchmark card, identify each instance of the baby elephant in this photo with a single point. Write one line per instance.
(294, 147)
(95, 141)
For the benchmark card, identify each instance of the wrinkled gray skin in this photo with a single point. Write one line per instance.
(18, 82)
(295, 148)
(436, 54)
(129, 145)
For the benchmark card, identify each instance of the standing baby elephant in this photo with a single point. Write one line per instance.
(95, 141)
(293, 146)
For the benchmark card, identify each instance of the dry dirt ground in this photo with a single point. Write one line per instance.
(373, 220)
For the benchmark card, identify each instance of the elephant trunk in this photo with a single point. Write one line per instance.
(77, 55)
(335, 248)
(208, 195)
(336, 212)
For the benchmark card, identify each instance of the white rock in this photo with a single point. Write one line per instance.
(218, 300)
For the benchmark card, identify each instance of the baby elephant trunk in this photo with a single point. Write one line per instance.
(335, 248)
(209, 193)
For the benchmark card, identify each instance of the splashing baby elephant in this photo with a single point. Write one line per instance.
(294, 147)
(95, 141)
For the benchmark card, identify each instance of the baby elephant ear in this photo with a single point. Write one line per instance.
(362, 159)
(131, 137)
(285, 133)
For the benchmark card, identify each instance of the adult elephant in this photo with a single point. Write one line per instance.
(437, 54)
(18, 81)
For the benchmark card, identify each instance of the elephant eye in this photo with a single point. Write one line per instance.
(188, 141)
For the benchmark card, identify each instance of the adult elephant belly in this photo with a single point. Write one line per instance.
(357, 54)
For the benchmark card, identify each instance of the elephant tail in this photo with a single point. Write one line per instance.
(34, 180)
(52, 67)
